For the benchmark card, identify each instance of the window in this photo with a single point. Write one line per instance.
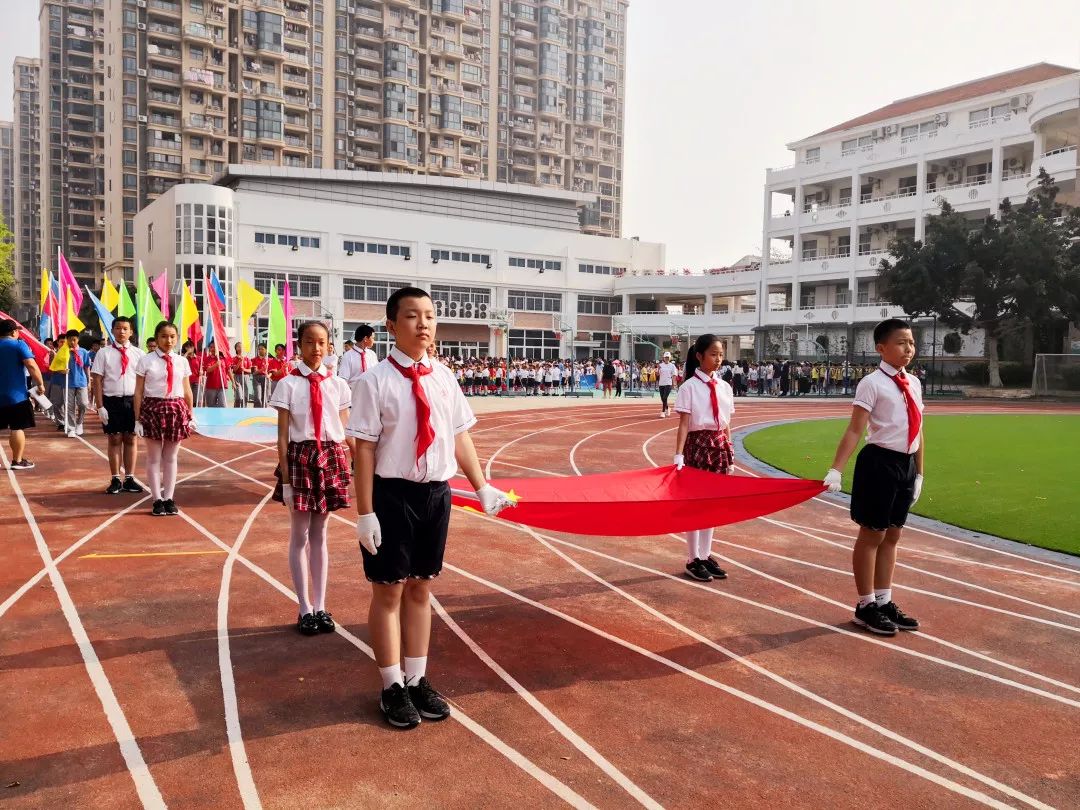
(377, 292)
(599, 305)
(849, 147)
(535, 264)
(288, 239)
(384, 249)
(534, 344)
(534, 301)
(452, 301)
(601, 269)
(300, 286)
(813, 155)
(460, 256)
(383, 341)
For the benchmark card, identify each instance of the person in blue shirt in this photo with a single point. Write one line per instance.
(77, 380)
(16, 410)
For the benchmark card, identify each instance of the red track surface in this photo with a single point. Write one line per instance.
(584, 670)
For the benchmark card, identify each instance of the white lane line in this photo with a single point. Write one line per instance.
(145, 786)
(40, 575)
(550, 782)
(794, 687)
(838, 736)
(949, 557)
(245, 781)
(594, 756)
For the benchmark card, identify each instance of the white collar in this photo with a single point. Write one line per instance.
(160, 353)
(701, 375)
(306, 371)
(890, 370)
(405, 361)
(360, 349)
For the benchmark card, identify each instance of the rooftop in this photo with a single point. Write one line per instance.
(998, 83)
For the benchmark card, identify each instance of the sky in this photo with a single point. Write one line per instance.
(716, 88)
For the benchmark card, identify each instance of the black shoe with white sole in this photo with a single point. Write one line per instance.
(398, 708)
(159, 509)
(894, 614)
(871, 618)
(429, 703)
(170, 507)
(115, 487)
(695, 569)
(131, 486)
(715, 570)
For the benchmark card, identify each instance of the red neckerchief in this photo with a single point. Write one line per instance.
(425, 434)
(914, 415)
(712, 382)
(123, 359)
(315, 387)
(363, 360)
(77, 356)
(168, 372)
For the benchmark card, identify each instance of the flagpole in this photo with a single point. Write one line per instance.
(67, 373)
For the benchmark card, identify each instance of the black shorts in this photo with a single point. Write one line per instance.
(121, 415)
(19, 416)
(882, 488)
(414, 519)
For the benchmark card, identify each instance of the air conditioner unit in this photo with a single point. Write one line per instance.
(892, 129)
(1014, 163)
(141, 72)
(888, 226)
(142, 119)
(937, 168)
(140, 3)
(350, 93)
(313, 106)
(350, 165)
(350, 51)
(350, 154)
(351, 133)
(141, 26)
(876, 134)
(941, 119)
(952, 177)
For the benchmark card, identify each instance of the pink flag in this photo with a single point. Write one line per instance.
(287, 307)
(160, 285)
(68, 283)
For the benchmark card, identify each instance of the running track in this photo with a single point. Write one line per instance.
(584, 671)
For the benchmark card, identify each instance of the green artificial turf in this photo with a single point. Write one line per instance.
(1012, 476)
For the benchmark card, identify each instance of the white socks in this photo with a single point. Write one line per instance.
(153, 468)
(866, 600)
(698, 544)
(307, 552)
(415, 668)
(391, 675)
(883, 596)
(169, 453)
(318, 558)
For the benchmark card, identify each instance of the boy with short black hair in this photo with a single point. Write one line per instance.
(359, 359)
(411, 423)
(16, 409)
(888, 474)
(77, 380)
(113, 377)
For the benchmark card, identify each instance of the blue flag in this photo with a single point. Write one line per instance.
(104, 316)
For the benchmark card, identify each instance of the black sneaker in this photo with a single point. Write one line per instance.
(325, 621)
(307, 624)
(715, 570)
(22, 464)
(695, 569)
(131, 486)
(115, 487)
(902, 621)
(398, 708)
(159, 508)
(170, 507)
(428, 702)
(871, 617)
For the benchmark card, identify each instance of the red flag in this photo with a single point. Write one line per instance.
(221, 340)
(644, 502)
(39, 350)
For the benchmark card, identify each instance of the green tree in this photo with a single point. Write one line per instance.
(7, 267)
(1018, 269)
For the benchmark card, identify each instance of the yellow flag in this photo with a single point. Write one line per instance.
(73, 321)
(250, 300)
(62, 358)
(110, 297)
(46, 282)
(189, 313)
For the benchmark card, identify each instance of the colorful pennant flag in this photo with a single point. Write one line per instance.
(147, 313)
(216, 293)
(109, 295)
(46, 285)
(39, 350)
(288, 320)
(276, 333)
(125, 306)
(160, 285)
(250, 300)
(61, 359)
(59, 315)
(105, 318)
(68, 282)
(188, 315)
(72, 321)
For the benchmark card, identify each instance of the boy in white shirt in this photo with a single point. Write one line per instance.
(113, 378)
(411, 424)
(359, 359)
(888, 474)
(667, 373)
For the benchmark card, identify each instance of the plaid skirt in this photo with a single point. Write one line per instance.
(321, 481)
(708, 450)
(165, 420)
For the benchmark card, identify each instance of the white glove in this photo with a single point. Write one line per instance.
(918, 489)
(679, 463)
(493, 500)
(287, 495)
(103, 414)
(192, 424)
(832, 480)
(139, 430)
(369, 532)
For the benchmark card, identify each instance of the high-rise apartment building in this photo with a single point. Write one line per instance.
(25, 75)
(7, 174)
(139, 95)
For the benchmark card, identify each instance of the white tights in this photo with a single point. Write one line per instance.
(698, 544)
(161, 468)
(307, 548)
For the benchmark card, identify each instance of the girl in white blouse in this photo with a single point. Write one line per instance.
(705, 405)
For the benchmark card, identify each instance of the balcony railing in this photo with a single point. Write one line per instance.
(869, 198)
(1059, 151)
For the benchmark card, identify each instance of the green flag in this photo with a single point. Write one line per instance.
(276, 333)
(149, 314)
(127, 306)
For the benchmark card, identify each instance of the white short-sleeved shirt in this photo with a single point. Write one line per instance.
(694, 399)
(355, 362)
(330, 363)
(384, 411)
(152, 367)
(667, 373)
(293, 394)
(107, 364)
(882, 397)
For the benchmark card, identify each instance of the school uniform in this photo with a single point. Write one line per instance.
(77, 398)
(319, 469)
(414, 459)
(241, 370)
(356, 361)
(260, 369)
(710, 403)
(164, 415)
(277, 368)
(215, 379)
(883, 485)
(116, 366)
